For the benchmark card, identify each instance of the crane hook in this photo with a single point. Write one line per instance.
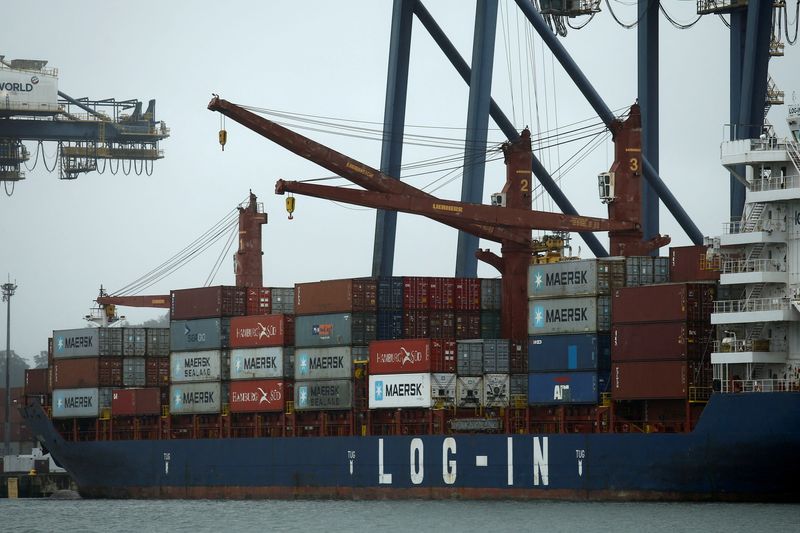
(290, 206)
(223, 135)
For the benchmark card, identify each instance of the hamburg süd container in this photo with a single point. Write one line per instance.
(203, 334)
(580, 351)
(670, 302)
(443, 389)
(399, 391)
(496, 388)
(323, 395)
(253, 396)
(649, 380)
(324, 330)
(254, 331)
(136, 402)
(400, 356)
(134, 372)
(257, 363)
(196, 398)
(553, 388)
(208, 302)
(569, 315)
(336, 296)
(206, 365)
(661, 341)
(87, 342)
(586, 277)
(323, 363)
(76, 403)
(469, 391)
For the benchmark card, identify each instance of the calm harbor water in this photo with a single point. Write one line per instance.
(388, 516)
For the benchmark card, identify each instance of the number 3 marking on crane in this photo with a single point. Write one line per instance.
(524, 185)
(634, 164)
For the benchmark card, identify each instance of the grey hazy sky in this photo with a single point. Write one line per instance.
(61, 240)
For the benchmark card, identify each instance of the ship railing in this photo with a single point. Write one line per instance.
(749, 265)
(774, 183)
(759, 385)
(752, 305)
(729, 345)
(738, 226)
(699, 394)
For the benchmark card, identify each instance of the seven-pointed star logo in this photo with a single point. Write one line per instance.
(537, 279)
(379, 391)
(60, 403)
(538, 316)
(60, 344)
(302, 396)
(178, 398)
(304, 364)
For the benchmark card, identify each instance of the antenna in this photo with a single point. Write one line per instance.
(8, 291)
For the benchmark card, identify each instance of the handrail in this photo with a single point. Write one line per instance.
(749, 265)
(737, 226)
(759, 385)
(752, 305)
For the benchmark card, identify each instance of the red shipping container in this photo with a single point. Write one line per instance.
(77, 373)
(365, 294)
(651, 380)
(443, 355)
(261, 330)
(156, 371)
(400, 356)
(670, 302)
(443, 324)
(468, 324)
(208, 302)
(136, 402)
(110, 372)
(441, 293)
(689, 263)
(416, 324)
(332, 296)
(262, 395)
(259, 300)
(36, 381)
(415, 293)
(467, 294)
(660, 341)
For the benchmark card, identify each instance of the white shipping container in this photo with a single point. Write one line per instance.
(76, 403)
(399, 390)
(469, 391)
(257, 363)
(196, 398)
(443, 389)
(495, 390)
(28, 91)
(195, 366)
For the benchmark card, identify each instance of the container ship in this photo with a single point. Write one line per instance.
(627, 377)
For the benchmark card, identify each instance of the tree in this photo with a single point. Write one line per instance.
(161, 322)
(40, 361)
(18, 366)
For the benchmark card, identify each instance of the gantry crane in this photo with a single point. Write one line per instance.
(508, 222)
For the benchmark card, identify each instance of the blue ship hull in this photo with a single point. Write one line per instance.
(742, 449)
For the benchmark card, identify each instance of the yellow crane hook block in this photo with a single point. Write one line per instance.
(290, 206)
(223, 138)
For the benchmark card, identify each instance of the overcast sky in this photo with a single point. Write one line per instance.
(62, 239)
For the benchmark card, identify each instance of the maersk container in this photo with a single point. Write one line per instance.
(257, 363)
(496, 389)
(390, 324)
(158, 340)
(324, 330)
(555, 388)
(134, 372)
(443, 389)
(323, 395)
(469, 391)
(491, 294)
(260, 395)
(390, 293)
(206, 365)
(586, 277)
(470, 357)
(208, 302)
(569, 315)
(136, 402)
(400, 356)
(197, 398)
(87, 342)
(323, 363)
(583, 351)
(134, 342)
(203, 334)
(495, 356)
(396, 391)
(254, 331)
(76, 403)
(283, 300)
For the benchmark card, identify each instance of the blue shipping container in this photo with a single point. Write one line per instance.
(569, 352)
(554, 388)
(201, 334)
(390, 293)
(323, 330)
(390, 324)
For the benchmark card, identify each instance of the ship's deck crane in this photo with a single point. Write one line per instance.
(509, 223)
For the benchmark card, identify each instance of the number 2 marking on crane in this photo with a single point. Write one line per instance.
(523, 185)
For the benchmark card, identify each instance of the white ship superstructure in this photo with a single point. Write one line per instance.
(758, 309)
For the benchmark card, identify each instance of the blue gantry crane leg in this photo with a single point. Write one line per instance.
(647, 73)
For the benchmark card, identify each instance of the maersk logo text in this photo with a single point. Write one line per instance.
(577, 314)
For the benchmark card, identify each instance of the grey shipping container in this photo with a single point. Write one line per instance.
(586, 277)
(257, 363)
(87, 342)
(323, 363)
(443, 389)
(661, 270)
(157, 342)
(76, 403)
(202, 334)
(196, 398)
(364, 328)
(283, 300)
(206, 365)
(491, 294)
(638, 271)
(569, 315)
(133, 372)
(323, 330)
(495, 356)
(469, 357)
(469, 391)
(496, 388)
(518, 388)
(134, 342)
(323, 395)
